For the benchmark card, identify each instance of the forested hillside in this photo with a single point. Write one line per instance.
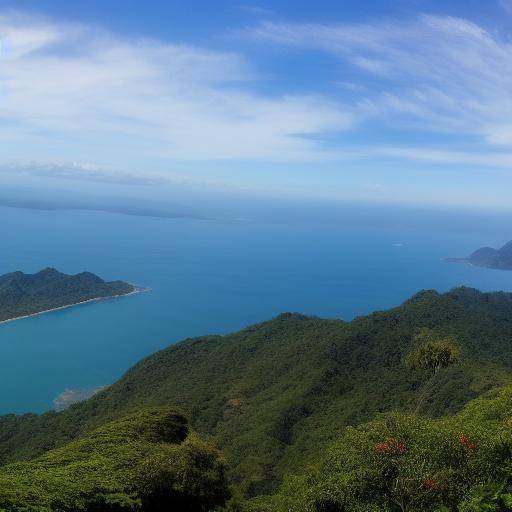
(405, 462)
(26, 294)
(274, 395)
(145, 462)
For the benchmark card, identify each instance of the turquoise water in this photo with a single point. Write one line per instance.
(205, 277)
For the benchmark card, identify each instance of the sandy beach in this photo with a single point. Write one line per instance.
(138, 289)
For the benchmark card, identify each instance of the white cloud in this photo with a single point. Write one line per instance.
(69, 91)
(444, 156)
(256, 10)
(442, 74)
(80, 171)
(73, 92)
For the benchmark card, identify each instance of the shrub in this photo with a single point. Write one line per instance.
(407, 463)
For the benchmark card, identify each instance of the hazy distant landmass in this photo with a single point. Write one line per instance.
(488, 257)
(29, 294)
(140, 211)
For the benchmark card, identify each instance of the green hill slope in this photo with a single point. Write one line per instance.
(145, 462)
(408, 463)
(273, 395)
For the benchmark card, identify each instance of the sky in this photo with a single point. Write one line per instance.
(407, 101)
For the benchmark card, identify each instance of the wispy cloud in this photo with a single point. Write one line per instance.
(77, 171)
(70, 90)
(256, 10)
(444, 156)
(429, 91)
(438, 74)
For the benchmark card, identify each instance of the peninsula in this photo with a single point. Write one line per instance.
(23, 295)
(499, 259)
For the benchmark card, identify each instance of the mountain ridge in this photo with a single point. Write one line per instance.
(271, 395)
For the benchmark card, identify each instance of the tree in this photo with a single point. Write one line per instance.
(431, 353)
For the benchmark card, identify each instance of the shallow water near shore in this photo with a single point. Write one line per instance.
(205, 277)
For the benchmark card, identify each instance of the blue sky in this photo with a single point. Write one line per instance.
(348, 100)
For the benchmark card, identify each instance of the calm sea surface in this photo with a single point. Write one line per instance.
(205, 277)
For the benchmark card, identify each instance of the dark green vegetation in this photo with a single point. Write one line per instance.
(401, 462)
(26, 294)
(146, 462)
(499, 259)
(276, 395)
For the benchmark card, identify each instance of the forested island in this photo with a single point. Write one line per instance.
(23, 295)
(403, 410)
(488, 257)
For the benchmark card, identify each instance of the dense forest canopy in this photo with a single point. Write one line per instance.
(407, 463)
(148, 461)
(276, 394)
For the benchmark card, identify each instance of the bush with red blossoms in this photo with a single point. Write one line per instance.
(464, 441)
(391, 447)
(409, 463)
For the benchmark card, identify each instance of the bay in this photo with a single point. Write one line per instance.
(206, 277)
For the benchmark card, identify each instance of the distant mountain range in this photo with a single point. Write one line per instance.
(29, 294)
(488, 257)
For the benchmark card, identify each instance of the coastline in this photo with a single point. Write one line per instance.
(458, 260)
(467, 261)
(137, 289)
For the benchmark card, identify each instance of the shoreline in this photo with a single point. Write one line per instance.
(137, 289)
(467, 261)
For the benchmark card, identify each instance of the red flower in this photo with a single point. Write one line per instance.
(391, 447)
(429, 485)
(464, 441)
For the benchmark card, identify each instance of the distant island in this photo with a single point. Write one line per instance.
(79, 205)
(499, 259)
(23, 295)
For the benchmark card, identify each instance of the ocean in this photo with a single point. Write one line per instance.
(209, 277)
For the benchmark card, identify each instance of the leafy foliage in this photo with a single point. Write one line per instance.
(274, 395)
(432, 353)
(26, 294)
(405, 463)
(145, 462)
(495, 497)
